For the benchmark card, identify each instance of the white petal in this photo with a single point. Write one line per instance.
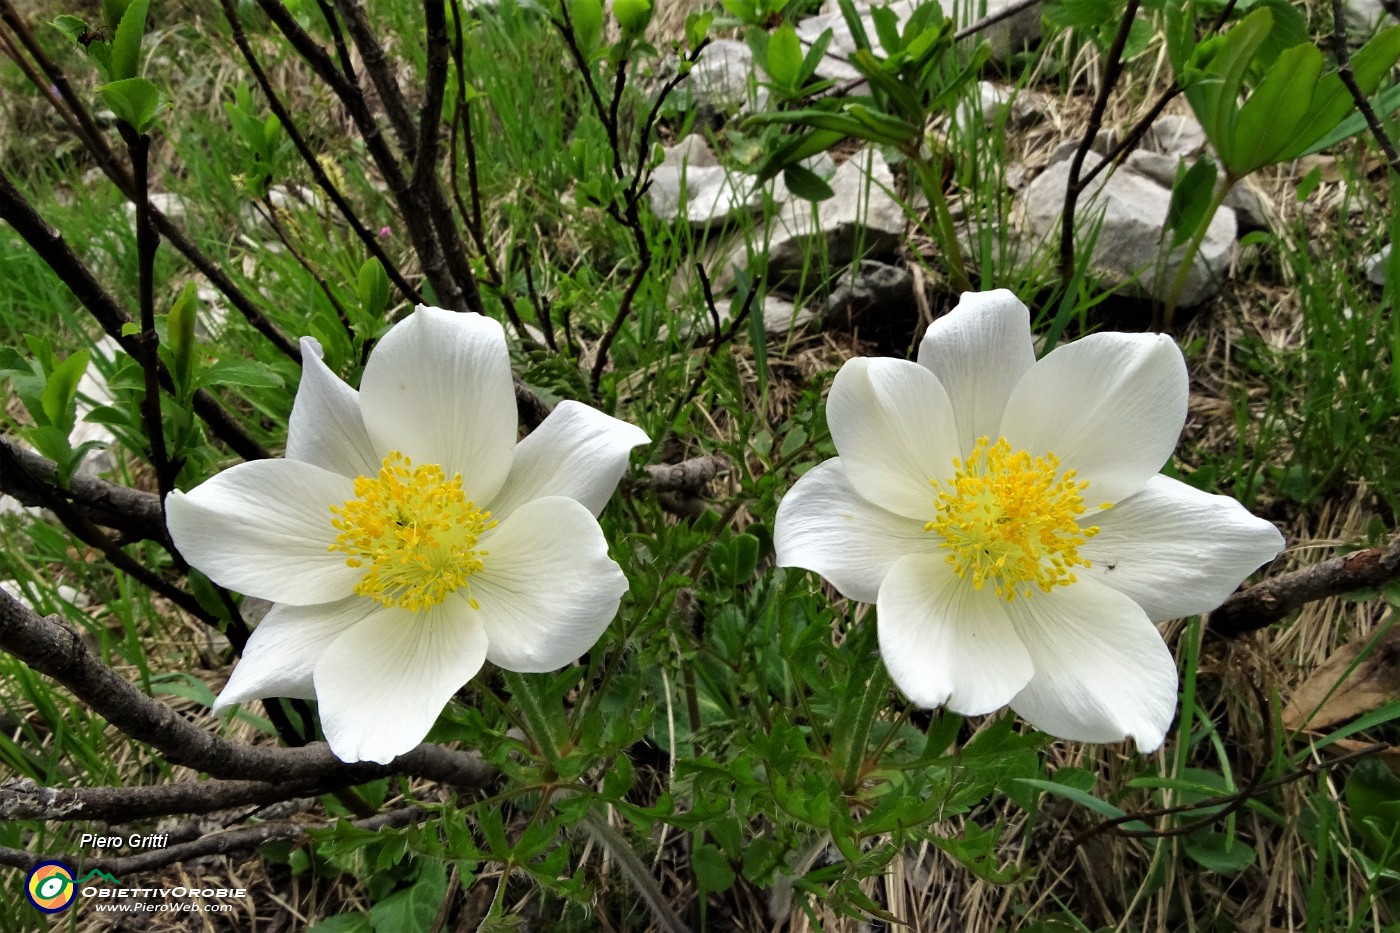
(1102, 672)
(281, 655)
(945, 643)
(823, 525)
(577, 452)
(438, 388)
(979, 351)
(893, 426)
(1110, 406)
(548, 588)
(381, 685)
(263, 528)
(1177, 551)
(326, 427)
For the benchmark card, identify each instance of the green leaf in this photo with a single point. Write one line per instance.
(807, 184)
(632, 16)
(1268, 120)
(784, 59)
(713, 873)
(1215, 97)
(343, 923)
(1085, 799)
(1191, 197)
(113, 11)
(13, 363)
(1384, 105)
(413, 909)
(587, 17)
(373, 290)
(1219, 852)
(61, 390)
(795, 148)
(126, 43)
(242, 373)
(697, 27)
(135, 101)
(72, 27)
(179, 332)
(886, 28)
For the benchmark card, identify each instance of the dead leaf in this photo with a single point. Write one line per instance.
(1342, 688)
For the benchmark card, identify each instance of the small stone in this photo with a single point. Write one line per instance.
(1176, 134)
(869, 297)
(1375, 266)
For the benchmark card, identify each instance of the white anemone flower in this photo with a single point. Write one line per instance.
(407, 538)
(1008, 521)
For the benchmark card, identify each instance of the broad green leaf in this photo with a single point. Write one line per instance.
(815, 54)
(72, 27)
(587, 17)
(713, 872)
(414, 909)
(886, 28)
(1327, 122)
(1215, 97)
(179, 332)
(1219, 852)
(1268, 120)
(1384, 105)
(632, 16)
(795, 148)
(697, 27)
(784, 57)
(126, 43)
(373, 290)
(135, 101)
(806, 184)
(113, 11)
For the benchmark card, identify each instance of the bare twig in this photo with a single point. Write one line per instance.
(53, 649)
(23, 799)
(1112, 69)
(1267, 602)
(992, 19)
(1368, 113)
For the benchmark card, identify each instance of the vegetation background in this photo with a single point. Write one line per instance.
(730, 756)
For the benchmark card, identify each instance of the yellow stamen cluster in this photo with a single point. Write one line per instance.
(415, 531)
(1011, 520)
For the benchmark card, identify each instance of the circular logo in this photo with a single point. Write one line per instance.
(50, 887)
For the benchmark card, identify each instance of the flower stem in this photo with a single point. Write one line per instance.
(944, 230)
(1188, 259)
(526, 694)
(865, 696)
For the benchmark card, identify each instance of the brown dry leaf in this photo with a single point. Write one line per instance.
(1342, 688)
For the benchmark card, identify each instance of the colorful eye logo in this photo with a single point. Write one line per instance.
(50, 887)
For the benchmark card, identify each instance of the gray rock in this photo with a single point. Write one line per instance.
(1176, 135)
(781, 316)
(1363, 17)
(691, 182)
(1249, 204)
(870, 295)
(862, 215)
(1375, 266)
(723, 78)
(1132, 208)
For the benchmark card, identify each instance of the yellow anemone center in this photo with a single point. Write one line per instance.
(1012, 520)
(415, 532)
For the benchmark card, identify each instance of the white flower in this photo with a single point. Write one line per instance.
(1007, 518)
(407, 538)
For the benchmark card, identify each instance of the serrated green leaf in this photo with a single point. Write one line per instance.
(112, 12)
(713, 873)
(135, 101)
(126, 42)
(413, 909)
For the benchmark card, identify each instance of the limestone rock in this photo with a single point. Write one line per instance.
(723, 78)
(1133, 211)
(691, 181)
(869, 296)
(1375, 266)
(1176, 135)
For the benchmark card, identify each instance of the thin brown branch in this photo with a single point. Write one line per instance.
(1112, 70)
(51, 648)
(381, 75)
(134, 514)
(1272, 600)
(1343, 52)
(23, 799)
(987, 22)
